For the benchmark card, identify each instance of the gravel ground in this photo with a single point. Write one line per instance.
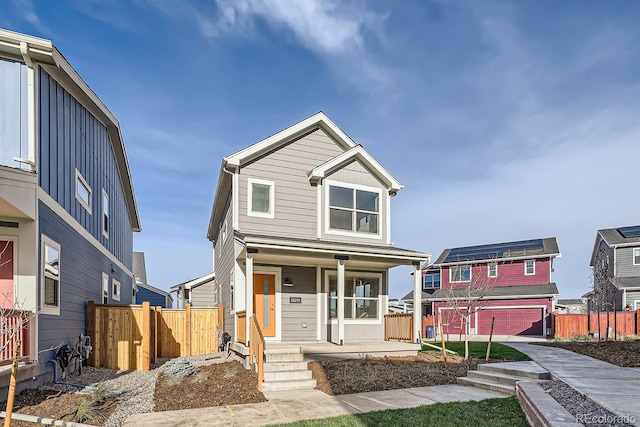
(137, 387)
(578, 405)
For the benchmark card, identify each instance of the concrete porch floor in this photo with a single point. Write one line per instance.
(324, 350)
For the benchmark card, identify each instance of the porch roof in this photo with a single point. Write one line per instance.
(501, 292)
(387, 256)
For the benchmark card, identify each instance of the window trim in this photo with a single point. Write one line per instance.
(460, 266)
(355, 275)
(633, 256)
(81, 181)
(271, 213)
(382, 212)
(492, 264)
(46, 308)
(105, 214)
(115, 285)
(534, 267)
(424, 276)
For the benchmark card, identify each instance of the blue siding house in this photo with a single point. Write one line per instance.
(67, 204)
(143, 290)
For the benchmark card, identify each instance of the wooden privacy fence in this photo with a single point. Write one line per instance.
(622, 323)
(131, 337)
(398, 327)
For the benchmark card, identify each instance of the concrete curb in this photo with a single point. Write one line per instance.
(541, 409)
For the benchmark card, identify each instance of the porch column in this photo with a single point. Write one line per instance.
(417, 302)
(340, 291)
(249, 291)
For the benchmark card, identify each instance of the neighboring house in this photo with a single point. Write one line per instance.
(620, 249)
(302, 237)
(430, 284)
(199, 292)
(513, 280)
(67, 205)
(571, 306)
(143, 291)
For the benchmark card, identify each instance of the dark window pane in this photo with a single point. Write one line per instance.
(341, 220)
(348, 308)
(367, 309)
(367, 201)
(367, 223)
(260, 198)
(341, 197)
(50, 291)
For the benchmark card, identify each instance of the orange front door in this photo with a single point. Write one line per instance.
(264, 302)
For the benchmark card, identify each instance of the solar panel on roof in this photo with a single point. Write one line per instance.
(496, 250)
(633, 231)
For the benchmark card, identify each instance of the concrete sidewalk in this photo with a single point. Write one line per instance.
(612, 387)
(288, 406)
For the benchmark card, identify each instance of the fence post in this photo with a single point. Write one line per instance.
(156, 335)
(221, 317)
(91, 331)
(187, 330)
(146, 336)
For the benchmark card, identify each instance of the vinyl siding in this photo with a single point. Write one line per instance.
(624, 259)
(224, 264)
(508, 275)
(202, 296)
(295, 199)
(299, 321)
(155, 299)
(81, 268)
(72, 138)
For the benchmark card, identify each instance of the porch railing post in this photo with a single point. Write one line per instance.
(417, 302)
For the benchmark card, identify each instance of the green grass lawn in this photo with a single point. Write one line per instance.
(489, 412)
(478, 350)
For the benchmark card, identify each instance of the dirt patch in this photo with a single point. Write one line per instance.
(621, 353)
(214, 385)
(389, 373)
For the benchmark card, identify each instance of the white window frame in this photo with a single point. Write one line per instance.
(81, 181)
(355, 275)
(47, 308)
(271, 213)
(232, 293)
(460, 281)
(105, 288)
(382, 213)
(105, 214)
(492, 264)
(116, 289)
(634, 256)
(533, 261)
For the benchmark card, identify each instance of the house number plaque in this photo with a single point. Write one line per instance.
(295, 300)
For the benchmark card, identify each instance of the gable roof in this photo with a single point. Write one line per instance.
(500, 292)
(194, 283)
(357, 153)
(264, 147)
(156, 290)
(29, 49)
(522, 249)
(614, 238)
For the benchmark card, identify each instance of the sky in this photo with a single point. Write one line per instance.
(504, 120)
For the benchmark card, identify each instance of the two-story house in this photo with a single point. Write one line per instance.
(509, 281)
(67, 205)
(430, 284)
(619, 249)
(302, 237)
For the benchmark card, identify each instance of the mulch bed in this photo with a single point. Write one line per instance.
(621, 353)
(219, 384)
(389, 373)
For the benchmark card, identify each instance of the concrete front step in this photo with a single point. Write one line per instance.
(283, 357)
(509, 380)
(530, 370)
(284, 366)
(501, 388)
(288, 375)
(289, 385)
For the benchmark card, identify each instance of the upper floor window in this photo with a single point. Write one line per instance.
(529, 268)
(83, 191)
(105, 288)
(13, 114)
(50, 282)
(354, 209)
(115, 285)
(492, 269)
(636, 256)
(105, 214)
(431, 281)
(461, 273)
(260, 198)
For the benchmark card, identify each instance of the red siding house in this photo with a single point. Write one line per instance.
(509, 281)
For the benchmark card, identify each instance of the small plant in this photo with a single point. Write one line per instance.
(180, 367)
(87, 411)
(230, 372)
(201, 377)
(100, 394)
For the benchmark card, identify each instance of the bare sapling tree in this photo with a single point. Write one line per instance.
(605, 285)
(469, 292)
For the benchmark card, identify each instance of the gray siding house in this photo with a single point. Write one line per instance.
(619, 250)
(302, 237)
(67, 205)
(199, 292)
